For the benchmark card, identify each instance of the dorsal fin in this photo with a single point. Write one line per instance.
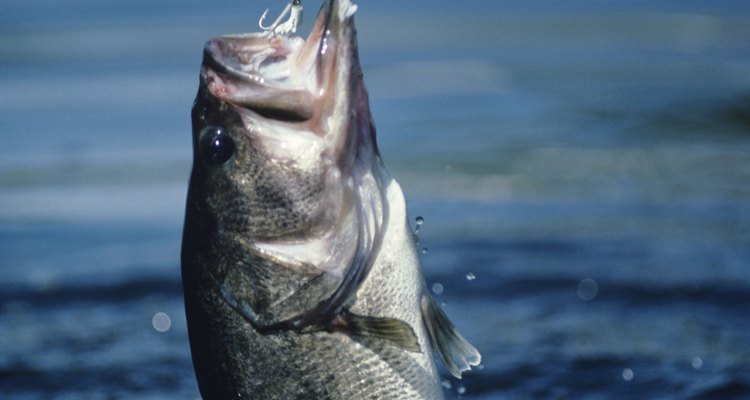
(457, 353)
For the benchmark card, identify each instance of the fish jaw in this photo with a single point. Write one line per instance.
(313, 85)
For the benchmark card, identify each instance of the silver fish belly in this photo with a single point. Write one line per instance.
(300, 273)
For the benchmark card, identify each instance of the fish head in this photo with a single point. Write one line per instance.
(286, 163)
(276, 125)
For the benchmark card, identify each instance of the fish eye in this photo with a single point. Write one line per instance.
(216, 146)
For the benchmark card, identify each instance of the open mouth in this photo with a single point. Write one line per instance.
(277, 73)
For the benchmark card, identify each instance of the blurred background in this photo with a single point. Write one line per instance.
(582, 167)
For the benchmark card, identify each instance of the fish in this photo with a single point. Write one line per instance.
(300, 273)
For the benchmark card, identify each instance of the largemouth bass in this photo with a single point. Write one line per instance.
(300, 272)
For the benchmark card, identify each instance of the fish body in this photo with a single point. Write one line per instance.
(300, 273)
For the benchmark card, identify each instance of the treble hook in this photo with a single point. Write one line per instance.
(290, 26)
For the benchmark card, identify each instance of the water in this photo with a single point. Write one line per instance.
(587, 163)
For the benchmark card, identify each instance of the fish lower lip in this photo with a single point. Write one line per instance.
(268, 101)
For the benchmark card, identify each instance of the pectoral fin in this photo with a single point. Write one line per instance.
(457, 353)
(394, 331)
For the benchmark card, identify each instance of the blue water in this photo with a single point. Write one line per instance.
(583, 169)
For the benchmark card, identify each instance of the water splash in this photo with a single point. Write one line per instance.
(418, 226)
(419, 221)
(161, 322)
(627, 374)
(470, 276)
(587, 289)
(437, 288)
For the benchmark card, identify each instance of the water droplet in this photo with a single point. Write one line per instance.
(461, 389)
(437, 288)
(480, 367)
(587, 289)
(443, 303)
(425, 250)
(419, 221)
(697, 362)
(627, 374)
(446, 384)
(470, 276)
(161, 322)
